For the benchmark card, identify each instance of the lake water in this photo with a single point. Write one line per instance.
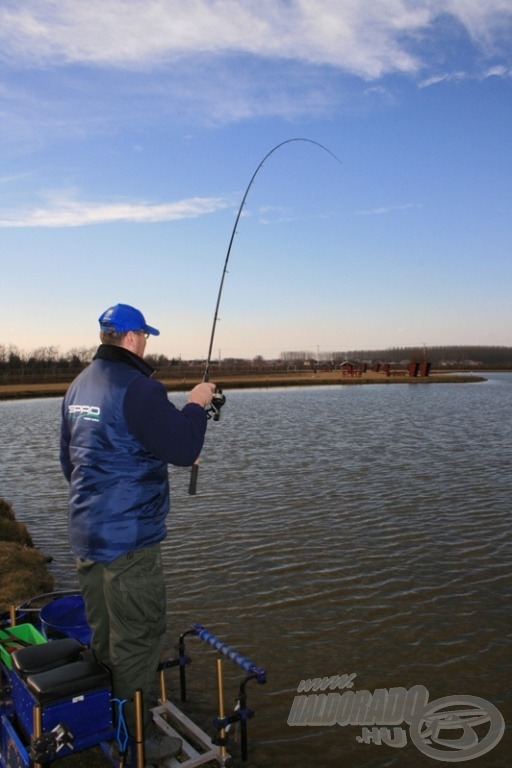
(344, 530)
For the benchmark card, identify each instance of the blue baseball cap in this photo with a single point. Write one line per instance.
(122, 318)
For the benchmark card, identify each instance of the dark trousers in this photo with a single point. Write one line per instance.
(125, 607)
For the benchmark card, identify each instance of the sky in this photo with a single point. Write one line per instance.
(130, 131)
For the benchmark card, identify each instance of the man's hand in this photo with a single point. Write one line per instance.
(202, 393)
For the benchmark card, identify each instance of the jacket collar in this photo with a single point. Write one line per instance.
(122, 355)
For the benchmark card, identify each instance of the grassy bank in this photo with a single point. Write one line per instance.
(258, 381)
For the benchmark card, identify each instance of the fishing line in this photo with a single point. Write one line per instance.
(219, 399)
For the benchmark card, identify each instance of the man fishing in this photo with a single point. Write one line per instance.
(119, 432)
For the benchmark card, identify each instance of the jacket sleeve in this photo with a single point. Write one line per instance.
(172, 435)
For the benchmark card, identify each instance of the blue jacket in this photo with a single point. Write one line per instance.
(119, 432)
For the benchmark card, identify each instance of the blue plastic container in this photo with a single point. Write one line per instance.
(65, 617)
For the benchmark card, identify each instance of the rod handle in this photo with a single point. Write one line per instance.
(192, 485)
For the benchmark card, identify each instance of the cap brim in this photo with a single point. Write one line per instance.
(152, 331)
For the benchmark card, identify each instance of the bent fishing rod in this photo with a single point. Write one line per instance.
(213, 411)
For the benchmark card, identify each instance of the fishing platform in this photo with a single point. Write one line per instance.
(56, 699)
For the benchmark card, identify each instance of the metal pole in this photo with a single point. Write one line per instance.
(183, 677)
(163, 691)
(139, 729)
(37, 727)
(220, 698)
(243, 723)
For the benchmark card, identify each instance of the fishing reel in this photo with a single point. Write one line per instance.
(213, 409)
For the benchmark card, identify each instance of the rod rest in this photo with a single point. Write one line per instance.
(41, 658)
(69, 680)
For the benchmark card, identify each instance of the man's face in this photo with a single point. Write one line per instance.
(135, 341)
(141, 339)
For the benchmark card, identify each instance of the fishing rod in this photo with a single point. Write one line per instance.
(218, 398)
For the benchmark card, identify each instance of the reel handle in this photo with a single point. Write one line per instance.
(192, 483)
(212, 412)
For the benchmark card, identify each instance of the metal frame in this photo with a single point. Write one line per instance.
(205, 750)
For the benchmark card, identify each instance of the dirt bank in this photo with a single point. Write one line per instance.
(257, 381)
(23, 568)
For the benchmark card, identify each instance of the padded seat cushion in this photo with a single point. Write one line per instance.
(40, 658)
(69, 680)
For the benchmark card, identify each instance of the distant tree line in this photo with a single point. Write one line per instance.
(43, 363)
(49, 364)
(488, 357)
(455, 356)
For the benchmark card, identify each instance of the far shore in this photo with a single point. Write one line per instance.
(256, 381)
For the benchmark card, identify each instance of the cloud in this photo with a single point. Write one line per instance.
(496, 71)
(386, 209)
(488, 23)
(443, 78)
(14, 177)
(74, 69)
(368, 38)
(63, 212)
(146, 33)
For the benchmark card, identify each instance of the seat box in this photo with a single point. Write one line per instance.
(77, 695)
